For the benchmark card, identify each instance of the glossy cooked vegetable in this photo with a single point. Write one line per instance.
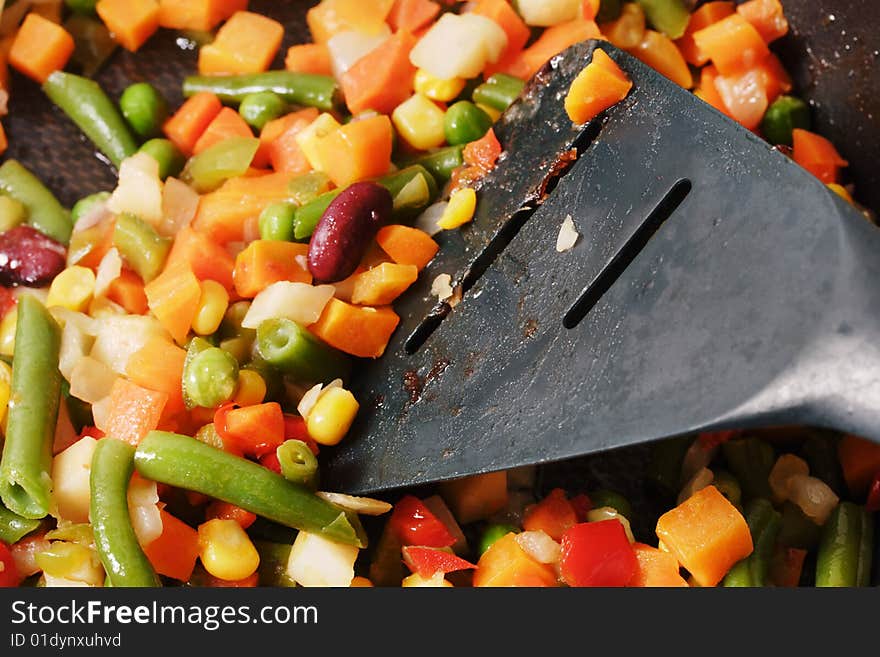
(298, 88)
(44, 212)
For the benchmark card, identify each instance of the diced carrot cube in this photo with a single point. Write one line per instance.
(356, 330)
(412, 15)
(246, 43)
(278, 141)
(596, 88)
(134, 411)
(382, 284)
(817, 155)
(357, 151)
(733, 45)
(207, 259)
(131, 22)
(505, 563)
(309, 58)
(128, 291)
(703, 16)
(174, 552)
(173, 297)
(655, 568)
(383, 78)
(264, 262)
(192, 118)
(201, 15)
(158, 365)
(40, 47)
(766, 16)
(660, 53)
(552, 41)
(406, 245)
(227, 124)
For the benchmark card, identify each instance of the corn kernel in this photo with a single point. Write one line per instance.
(437, 88)
(12, 212)
(7, 332)
(5, 388)
(213, 303)
(310, 137)
(226, 550)
(251, 388)
(361, 582)
(460, 209)
(416, 580)
(331, 416)
(841, 191)
(420, 122)
(72, 289)
(493, 113)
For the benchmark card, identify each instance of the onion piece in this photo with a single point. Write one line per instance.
(442, 287)
(539, 546)
(786, 467)
(348, 46)
(429, 220)
(703, 477)
(143, 497)
(365, 505)
(121, 336)
(109, 269)
(459, 46)
(813, 496)
(310, 398)
(91, 380)
(568, 235)
(179, 205)
(139, 190)
(544, 13)
(610, 513)
(299, 302)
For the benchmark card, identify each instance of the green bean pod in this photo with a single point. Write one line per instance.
(750, 460)
(442, 162)
(273, 563)
(184, 462)
(846, 547)
(764, 522)
(13, 527)
(115, 540)
(289, 348)
(25, 483)
(143, 249)
(44, 211)
(610, 498)
(319, 91)
(298, 463)
(668, 16)
(499, 91)
(820, 453)
(86, 104)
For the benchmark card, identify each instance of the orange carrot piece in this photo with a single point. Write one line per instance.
(358, 150)
(707, 92)
(255, 430)
(383, 78)
(766, 16)
(40, 47)
(134, 411)
(192, 118)
(4, 142)
(158, 365)
(660, 53)
(733, 45)
(173, 297)
(412, 15)
(655, 568)
(227, 124)
(476, 497)
(703, 16)
(554, 515)
(382, 284)
(207, 259)
(309, 58)
(128, 291)
(817, 155)
(552, 41)
(596, 88)
(745, 96)
(231, 212)
(356, 330)
(246, 43)
(505, 563)
(706, 534)
(131, 22)
(174, 552)
(264, 262)
(406, 245)
(278, 139)
(332, 16)
(514, 27)
(589, 9)
(860, 461)
(203, 15)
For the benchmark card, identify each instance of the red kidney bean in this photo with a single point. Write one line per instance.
(27, 257)
(345, 230)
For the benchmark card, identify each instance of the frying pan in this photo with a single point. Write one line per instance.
(830, 51)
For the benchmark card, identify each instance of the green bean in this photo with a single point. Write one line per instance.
(609, 10)
(441, 163)
(259, 108)
(664, 469)
(820, 453)
(276, 222)
(144, 108)
(784, 115)
(464, 122)
(273, 563)
(668, 16)
(85, 204)
(728, 486)
(845, 549)
(289, 348)
(13, 527)
(45, 213)
(308, 186)
(494, 532)
(115, 540)
(616, 501)
(210, 375)
(86, 104)
(186, 463)
(81, 6)
(764, 522)
(25, 483)
(750, 460)
(414, 196)
(396, 181)
(298, 463)
(169, 157)
(230, 158)
(143, 249)
(319, 91)
(499, 91)
(93, 43)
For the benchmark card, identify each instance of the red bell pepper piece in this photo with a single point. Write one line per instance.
(295, 429)
(553, 515)
(271, 461)
(710, 439)
(582, 505)
(9, 576)
(91, 432)
(414, 524)
(873, 502)
(597, 554)
(7, 301)
(426, 561)
(226, 511)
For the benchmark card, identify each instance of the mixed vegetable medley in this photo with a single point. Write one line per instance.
(175, 350)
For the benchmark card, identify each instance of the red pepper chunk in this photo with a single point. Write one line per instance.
(9, 576)
(553, 515)
(295, 429)
(254, 430)
(426, 561)
(483, 153)
(597, 554)
(414, 524)
(873, 502)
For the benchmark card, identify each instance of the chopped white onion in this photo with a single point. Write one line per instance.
(568, 235)
(299, 302)
(544, 13)
(70, 480)
(610, 513)
(813, 496)
(539, 546)
(75, 341)
(146, 521)
(348, 46)
(139, 190)
(121, 336)
(442, 287)
(429, 220)
(109, 270)
(91, 380)
(365, 505)
(786, 467)
(97, 213)
(179, 205)
(317, 561)
(101, 412)
(459, 46)
(310, 398)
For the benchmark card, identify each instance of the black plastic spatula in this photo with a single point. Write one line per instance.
(715, 284)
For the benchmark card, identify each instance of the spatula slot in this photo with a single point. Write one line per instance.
(623, 258)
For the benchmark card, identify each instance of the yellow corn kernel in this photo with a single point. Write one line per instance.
(72, 289)
(310, 137)
(331, 416)
(416, 580)
(213, 303)
(251, 388)
(226, 550)
(437, 88)
(5, 389)
(493, 113)
(12, 212)
(841, 191)
(7, 332)
(420, 122)
(361, 582)
(460, 210)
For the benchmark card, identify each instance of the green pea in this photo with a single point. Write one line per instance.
(144, 109)
(465, 122)
(277, 222)
(210, 375)
(257, 109)
(81, 6)
(492, 533)
(784, 115)
(616, 501)
(82, 206)
(169, 157)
